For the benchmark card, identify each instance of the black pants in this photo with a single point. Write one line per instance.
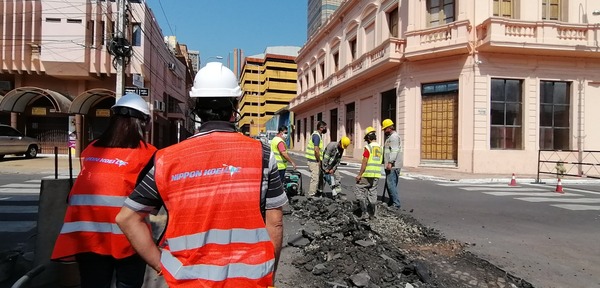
(96, 271)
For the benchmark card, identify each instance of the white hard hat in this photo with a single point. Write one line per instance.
(215, 80)
(132, 101)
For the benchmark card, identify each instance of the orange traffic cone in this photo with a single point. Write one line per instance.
(513, 181)
(559, 188)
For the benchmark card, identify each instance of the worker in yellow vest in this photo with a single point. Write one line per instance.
(280, 151)
(314, 151)
(370, 172)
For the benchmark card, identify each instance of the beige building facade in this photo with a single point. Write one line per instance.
(478, 86)
(57, 78)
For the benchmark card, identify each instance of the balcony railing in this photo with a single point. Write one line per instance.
(386, 54)
(452, 38)
(500, 34)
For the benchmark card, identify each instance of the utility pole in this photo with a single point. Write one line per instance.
(120, 60)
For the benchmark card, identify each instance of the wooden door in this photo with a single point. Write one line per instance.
(439, 128)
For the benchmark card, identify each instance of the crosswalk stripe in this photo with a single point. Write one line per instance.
(19, 190)
(18, 209)
(512, 189)
(304, 172)
(407, 177)
(17, 226)
(577, 207)
(20, 185)
(472, 185)
(34, 181)
(547, 194)
(20, 198)
(348, 173)
(567, 200)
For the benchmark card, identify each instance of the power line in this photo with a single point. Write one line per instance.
(167, 19)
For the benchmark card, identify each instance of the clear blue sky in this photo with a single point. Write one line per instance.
(216, 27)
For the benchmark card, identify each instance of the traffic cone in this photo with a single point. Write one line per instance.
(513, 181)
(559, 188)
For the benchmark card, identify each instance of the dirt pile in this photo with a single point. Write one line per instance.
(393, 250)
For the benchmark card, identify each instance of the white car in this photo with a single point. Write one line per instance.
(13, 142)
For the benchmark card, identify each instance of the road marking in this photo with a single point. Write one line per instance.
(548, 194)
(407, 177)
(576, 207)
(582, 191)
(19, 191)
(18, 210)
(472, 185)
(21, 198)
(567, 200)
(348, 173)
(34, 181)
(17, 226)
(304, 172)
(481, 188)
(20, 185)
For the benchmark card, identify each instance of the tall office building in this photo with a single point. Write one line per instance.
(318, 12)
(195, 58)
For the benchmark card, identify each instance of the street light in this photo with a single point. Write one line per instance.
(214, 57)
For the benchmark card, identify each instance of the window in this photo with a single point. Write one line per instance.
(550, 9)
(320, 116)
(392, 18)
(136, 34)
(336, 61)
(312, 123)
(350, 120)
(352, 46)
(53, 20)
(555, 115)
(76, 21)
(506, 114)
(102, 32)
(503, 8)
(305, 136)
(333, 121)
(298, 127)
(440, 12)
(322, 68)
(313, 75)
(91, 28)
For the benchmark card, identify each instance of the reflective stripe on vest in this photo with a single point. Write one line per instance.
(107, 177)
(281, 162)
(213, 272)
(96, 200)
(86, 226)
(310, 147)
(373, 169)
(216, 235)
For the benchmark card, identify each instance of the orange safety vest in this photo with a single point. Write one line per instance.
(216, 235)
(107, 177)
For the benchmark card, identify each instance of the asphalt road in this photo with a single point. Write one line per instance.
(547, 238)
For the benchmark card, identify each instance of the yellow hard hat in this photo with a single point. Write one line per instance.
(369, 130)
(345, 142)
(386, 123)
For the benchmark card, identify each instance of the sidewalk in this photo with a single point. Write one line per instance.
(451, 174)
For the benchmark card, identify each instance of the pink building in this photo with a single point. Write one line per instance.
(57, 76)
(478, 85)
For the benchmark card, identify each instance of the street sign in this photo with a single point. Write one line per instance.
(131, 90)
(138, 80)
(143, 92)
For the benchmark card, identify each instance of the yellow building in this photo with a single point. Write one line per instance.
(269, 83)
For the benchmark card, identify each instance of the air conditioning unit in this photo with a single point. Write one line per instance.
(171, 66)
(158, 106)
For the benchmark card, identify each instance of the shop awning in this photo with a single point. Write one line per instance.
(89, 99)
(17, 99)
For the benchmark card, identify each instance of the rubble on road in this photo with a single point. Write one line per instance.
(393, 250)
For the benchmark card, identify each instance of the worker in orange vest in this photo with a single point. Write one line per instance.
(110, 166)
(223, 197)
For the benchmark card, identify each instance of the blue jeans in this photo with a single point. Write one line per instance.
(391, 184)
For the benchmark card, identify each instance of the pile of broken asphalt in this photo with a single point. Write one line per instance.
(334, 248)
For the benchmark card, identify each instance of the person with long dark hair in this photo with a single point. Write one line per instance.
(110, 166)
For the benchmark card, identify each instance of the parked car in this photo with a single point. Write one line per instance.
(13, 142)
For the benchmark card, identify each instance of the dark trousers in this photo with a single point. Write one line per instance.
(96, 271)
